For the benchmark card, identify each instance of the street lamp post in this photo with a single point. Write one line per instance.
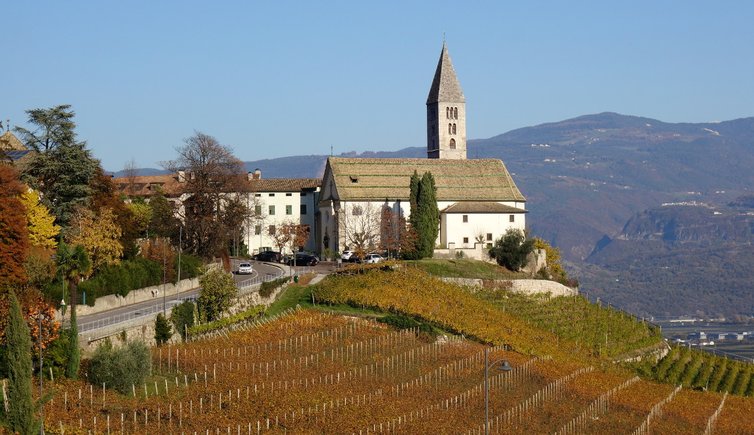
(506, 367)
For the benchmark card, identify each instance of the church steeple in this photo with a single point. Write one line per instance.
(446, 112)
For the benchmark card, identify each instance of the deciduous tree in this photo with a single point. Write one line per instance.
(14, 238)
(217, 293)
(361, 228)
(41, 224)
(99, 235)
(211, 212)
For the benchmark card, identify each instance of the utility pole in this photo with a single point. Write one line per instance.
(180, 235)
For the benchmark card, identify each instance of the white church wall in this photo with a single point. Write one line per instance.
(462, 230)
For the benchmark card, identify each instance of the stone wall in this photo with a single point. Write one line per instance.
(109, 302)
(142, 328)
(525, 286)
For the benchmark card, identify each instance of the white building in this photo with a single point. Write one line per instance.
(276, 201)
(478, 199)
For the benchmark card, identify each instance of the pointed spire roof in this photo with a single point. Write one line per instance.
(445, 85)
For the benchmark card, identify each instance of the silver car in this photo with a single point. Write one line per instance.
(244, 268)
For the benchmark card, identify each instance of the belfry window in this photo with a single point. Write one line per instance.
(452, 144)
(454, 129)
(447, 113)
(455, 113)
(450, 128)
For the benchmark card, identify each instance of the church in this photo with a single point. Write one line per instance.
(477, 198)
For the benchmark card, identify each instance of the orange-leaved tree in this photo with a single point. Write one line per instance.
(14, 234)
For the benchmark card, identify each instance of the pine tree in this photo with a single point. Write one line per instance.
(20, 417)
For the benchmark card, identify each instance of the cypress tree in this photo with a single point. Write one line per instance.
(162, 330)
(412, 253)
(74, 353)
(20, 415)
(429, 215)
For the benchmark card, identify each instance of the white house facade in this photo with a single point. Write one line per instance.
(274, 202)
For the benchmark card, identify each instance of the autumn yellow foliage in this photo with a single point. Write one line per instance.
(41, 224)
(99, 234)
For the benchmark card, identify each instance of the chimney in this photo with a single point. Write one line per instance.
(257, 174)
(181, 176)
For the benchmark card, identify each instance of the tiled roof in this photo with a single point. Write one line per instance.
(284, 184)
(9, 141)
(148, 185)
(456, 180)
(445, 85)
(481, 207)
(170, 186)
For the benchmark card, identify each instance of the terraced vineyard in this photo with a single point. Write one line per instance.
(598, 330)
(311, 372)
(697, 369)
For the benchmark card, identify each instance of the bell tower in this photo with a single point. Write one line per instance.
(446, 113)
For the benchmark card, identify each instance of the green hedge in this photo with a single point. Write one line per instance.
(267, 288)
(243, 316)
(128, 275)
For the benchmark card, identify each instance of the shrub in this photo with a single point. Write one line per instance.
(423, 330)
(217, 293)
(512, 249)
(269, 287)
(191, 266)
(182, 317)
(250, 314)
(120, 368)
(162, 330)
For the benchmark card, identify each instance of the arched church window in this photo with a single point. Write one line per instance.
(450, 128)
(447, 113)
(455, 113)
(452, 144)
(454, 129)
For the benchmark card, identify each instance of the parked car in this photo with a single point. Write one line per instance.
(244, 268)
(269, 256)
(373, 258)
(347, 255)
(304, 259)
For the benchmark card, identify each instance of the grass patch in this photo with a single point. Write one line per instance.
(297, 294)
(464, 268)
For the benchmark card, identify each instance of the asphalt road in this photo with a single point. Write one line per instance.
(92, 322)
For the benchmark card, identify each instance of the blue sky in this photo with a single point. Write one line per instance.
(286, 78)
